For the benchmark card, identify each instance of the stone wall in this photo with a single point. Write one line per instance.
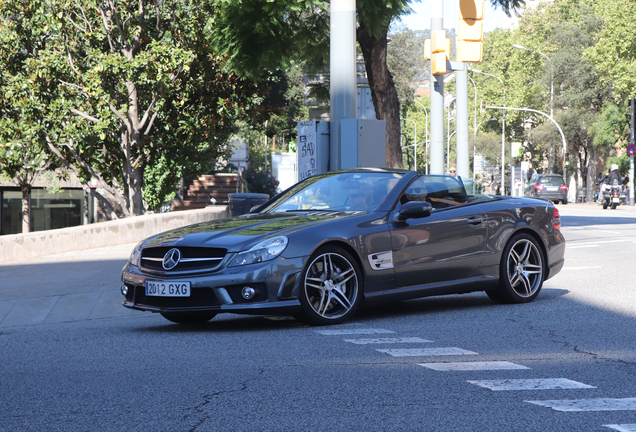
(18, 247)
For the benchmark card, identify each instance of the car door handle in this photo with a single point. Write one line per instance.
(475, 221)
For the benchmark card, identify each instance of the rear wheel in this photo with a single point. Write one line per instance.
(192, 318)
(604, 205)
(520, 272)
(331, 287)
(614, 206)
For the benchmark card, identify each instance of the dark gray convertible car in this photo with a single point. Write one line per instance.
(333, 241)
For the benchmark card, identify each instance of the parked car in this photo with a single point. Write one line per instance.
(333, 241)
(548, 186)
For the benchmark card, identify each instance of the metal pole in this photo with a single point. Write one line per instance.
(461, 124)
(437, 100)
(631, 157)
(474, 123)
(342, 72)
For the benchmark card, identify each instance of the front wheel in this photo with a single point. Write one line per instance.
(521, 271)
(192, 318)
(331, 287)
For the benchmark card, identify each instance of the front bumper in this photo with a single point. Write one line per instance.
(275, 282)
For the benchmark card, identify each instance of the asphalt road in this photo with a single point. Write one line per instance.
(72, 359)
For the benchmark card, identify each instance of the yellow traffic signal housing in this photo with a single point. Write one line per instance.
(471, 9)
(437, 49)
(427, 49)
(469, 51)
(438, 64)
(483, 106)
(470, 31)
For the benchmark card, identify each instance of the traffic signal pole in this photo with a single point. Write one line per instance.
(437, 100)
(463, 152)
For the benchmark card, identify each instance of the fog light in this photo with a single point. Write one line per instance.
(124, 290)
(248, 293)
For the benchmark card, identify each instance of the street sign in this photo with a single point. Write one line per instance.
(631, 149)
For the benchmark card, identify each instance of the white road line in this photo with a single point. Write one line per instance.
(386, 340)
(570, 244)
(353, 332)
(581, 268)
(584, 246)
(473, 366)
(622, 427)
(414, 352)
(531, 384)
(624, 404)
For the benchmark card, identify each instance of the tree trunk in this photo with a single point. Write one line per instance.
(26, 208)
(383, 91)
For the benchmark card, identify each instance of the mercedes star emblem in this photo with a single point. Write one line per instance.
(171, 259)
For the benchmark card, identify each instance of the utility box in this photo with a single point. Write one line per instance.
(312, 148)
(362, 143)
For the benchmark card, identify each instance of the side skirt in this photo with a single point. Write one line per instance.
(461, 286)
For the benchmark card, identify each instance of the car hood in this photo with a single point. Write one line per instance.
(239, 233)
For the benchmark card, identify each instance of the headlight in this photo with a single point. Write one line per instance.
(263, 251)
(135, 255)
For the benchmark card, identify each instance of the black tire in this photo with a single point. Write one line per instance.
(564, 202)
(331, 287)
(192, 318)
(614, 205)
(604, 205)
(521, 271)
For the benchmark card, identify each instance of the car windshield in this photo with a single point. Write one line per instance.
(349, 191)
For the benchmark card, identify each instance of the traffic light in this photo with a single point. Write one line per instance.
(470, 31)
(437, 48)
(483, 106)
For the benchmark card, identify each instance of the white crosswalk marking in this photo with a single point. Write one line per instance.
(473, 366)
(622, 427)
(414, 352)
(386, 340)
(624, 404)
(353, 332)
(531, 384)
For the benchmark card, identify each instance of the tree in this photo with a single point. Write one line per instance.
(129, 92)
(615, 48)
(21, 155)
(261, 35)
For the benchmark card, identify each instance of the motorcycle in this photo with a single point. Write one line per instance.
(611, 197)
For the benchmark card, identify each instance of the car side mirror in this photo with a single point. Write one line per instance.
(414, 210)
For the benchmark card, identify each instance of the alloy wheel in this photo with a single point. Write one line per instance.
(331, 286)
(525, 268)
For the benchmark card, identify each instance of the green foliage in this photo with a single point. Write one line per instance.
(614, 53)
(612, 127)
(259, 181)
(125, 93)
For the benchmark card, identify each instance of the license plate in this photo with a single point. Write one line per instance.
(616, 200)
(552, 188)
(168, 289)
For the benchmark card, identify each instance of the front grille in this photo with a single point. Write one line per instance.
(199, 297)
(192, 258)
